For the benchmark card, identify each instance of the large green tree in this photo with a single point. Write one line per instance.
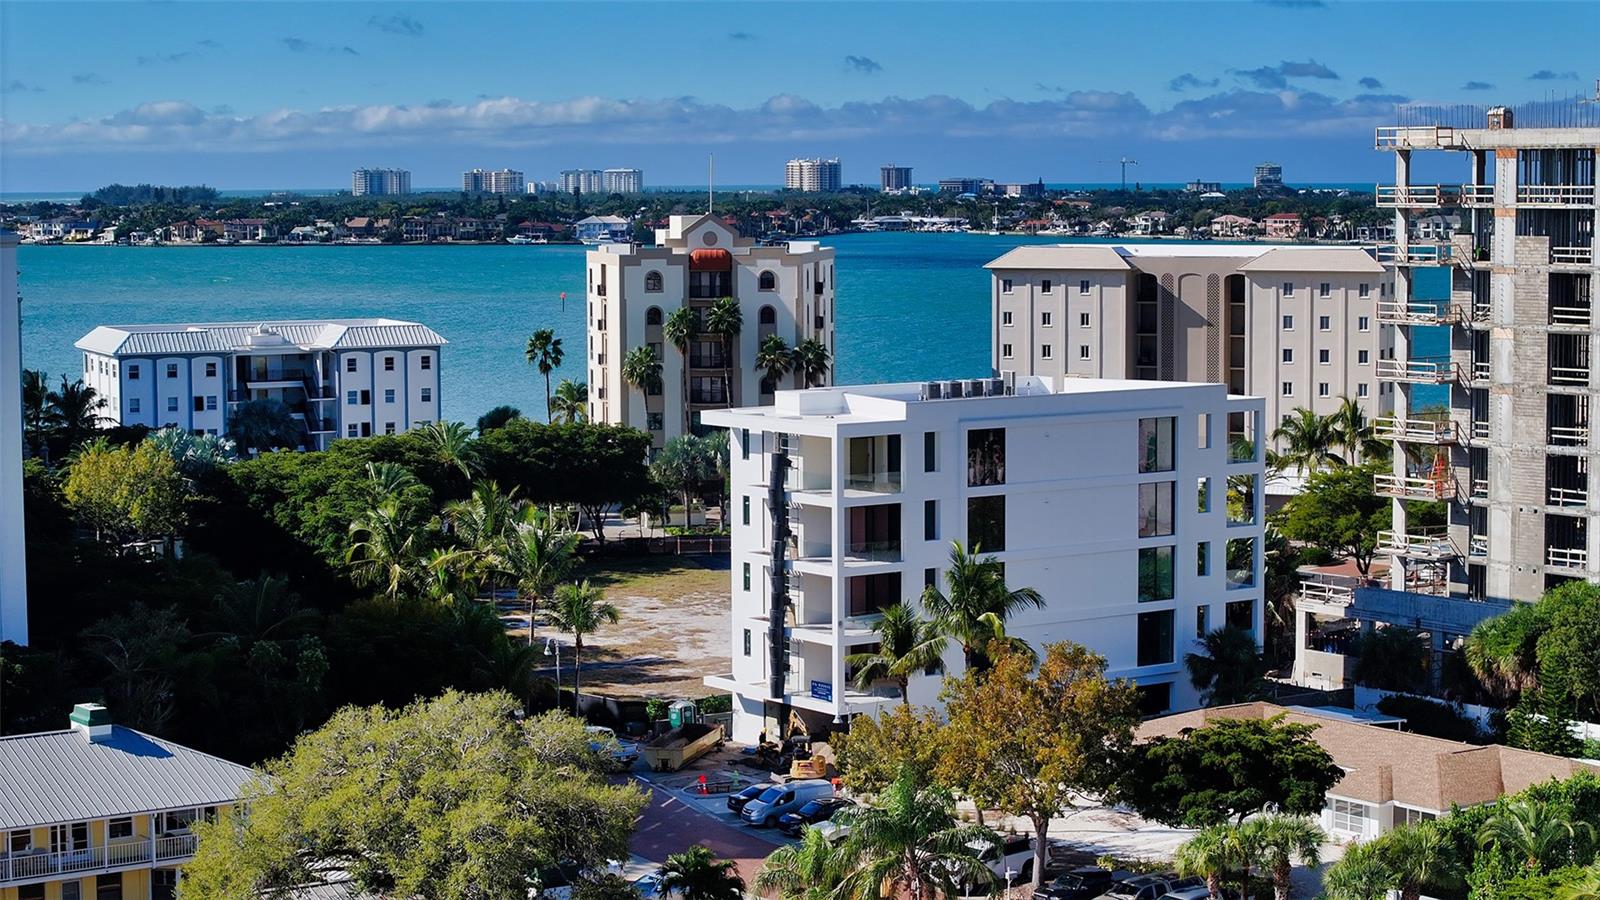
(453, 798)
(591, 465)
(910, 844)
(127, 493)
(1229, 667)
(1339, 511)
(878, 749)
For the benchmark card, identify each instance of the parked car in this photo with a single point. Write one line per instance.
(834, 830)
(648, 885)
(1009, 862)
(1082, 883)
(604, 740)
(819, 810)
(1197, 892)
(765, 810)
(1142, 887)
(737, 802)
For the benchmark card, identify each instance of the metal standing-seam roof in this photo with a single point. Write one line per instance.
(1314, 259)
(236, 337)
(61, 776)
(1089, 257)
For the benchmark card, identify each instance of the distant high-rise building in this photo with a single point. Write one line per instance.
(503, 181)
(1269, 175)
(623, 181)
(1206, 187)
(894, 178)
(584, 181)
(13, 559)
(812, 175)
(967, 185)
(380, 182)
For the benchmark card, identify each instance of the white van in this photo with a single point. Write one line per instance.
(764, 810)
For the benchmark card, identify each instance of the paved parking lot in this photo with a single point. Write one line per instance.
(678, 817)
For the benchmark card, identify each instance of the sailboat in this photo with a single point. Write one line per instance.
(994, 225)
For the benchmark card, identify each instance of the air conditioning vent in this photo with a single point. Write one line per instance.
(953, 390)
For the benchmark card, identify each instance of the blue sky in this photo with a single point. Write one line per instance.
(254, 95)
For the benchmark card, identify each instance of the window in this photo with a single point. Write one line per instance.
(133, 373)
(351, 398)
(1288, 323)
(747, 576)
(388, 395)
(986, 456)
(30, 892)
(1044, 288)
(1155, 638)
(1363, 290)
(1155, 444)
(655, 421)
(1005, 351)
(1083, 320)
(163, 884)
(1154, 699)
(133, 405)
(175, 821)
(986, 524)
(388, 428)
(930, 451)
(1240, 614)
(1083, 286)
(652, 316)
(350, 364)
(930, 577)
(1347, 816)
(930, 520)
(1155, 509)
(21, 840)
(747, 510)
(1288, 354)
(1324, 290)
(1005, 285)
(1323, 357)
(1409, 816)
(121, 827)
(1203, 496)
(388, 364)
(366, 397)
(1361, 389)
(1202, 621)
(1288, 389)
(747, 642)
(108, 887)
(211, 370)
(199, 403)
(1202, 559)
(71, 890)
(172, 404)
(350, 431)
(1288, 287)
(1005, 317)
(1045, 351)
(211, 401)
(69, 838)
(1155, 573)
(1324, 323)
(1322, 389)
(1363, 324)
(427, 395)
(767, 316)
(172, 370)
(1083, 351)
(1361, 357)
(1044, 319)
(652, 282)
(425, 361)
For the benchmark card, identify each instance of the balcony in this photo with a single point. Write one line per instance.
(1480, 372)
(19, 867)
(1416, 431)
(1396, 312)
(1478, 547)
(1567, 498)
(873, 482)
(1407, 487)
(1415, 196)
(1401, 137)
(1326, 593)
(873, 551)
(1426, 544)
(1437, 370)
(1475, 195)
(1568, 436)
(1572, 256)
(1572, 558)
(1415, 254)
(1569, 376)
(1570, 196)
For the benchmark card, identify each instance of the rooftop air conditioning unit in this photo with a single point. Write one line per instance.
(952, 390)
(975, 387)
(933, 390)
(997, 388)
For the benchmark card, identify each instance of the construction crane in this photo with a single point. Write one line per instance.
(1125, 163)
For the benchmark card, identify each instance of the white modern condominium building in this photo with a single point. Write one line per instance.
(623, 181)
(812, 175)
(13, 555)
(502, 181)
(380, 182)
(784, 290)
(584, 181)
(338, 377)
(1107, 496)
(1297, 326)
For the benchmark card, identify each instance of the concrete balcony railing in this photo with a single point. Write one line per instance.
(1414, 196)
(1417, 371)
(1568, 436)
(1567, 195)
(1567, 558)
(1567, 498)
(1397, 312)
(1427, 544)
(1401, 137)
(1475, 195)
(17, 867)
(1416, 431)
(1406, 487)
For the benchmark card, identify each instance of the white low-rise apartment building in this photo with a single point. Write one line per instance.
(785, 290)
(340, 377)
(1107, 496)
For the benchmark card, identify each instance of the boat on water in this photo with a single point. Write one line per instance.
(527, 239)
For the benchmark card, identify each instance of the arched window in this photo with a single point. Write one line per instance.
(769, 316)
(652, 282)
(652, 316)
(767, 282)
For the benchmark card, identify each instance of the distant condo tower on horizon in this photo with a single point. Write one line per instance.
(503, 181)
(812, 175)
(380, 182)
(894, 178)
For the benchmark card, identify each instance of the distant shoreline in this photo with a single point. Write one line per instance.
(1062, 238)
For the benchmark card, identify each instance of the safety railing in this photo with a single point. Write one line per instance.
(1476, 195)
(1569, 375)
(1478, 546)
(1407, 487)
(1421, 253)
(1566, 558)
(1415, 312)
(1434, 370)
(1389, 137)
(1479, 429)
(1555, 194)
(1572, 256)
(1571, 316)
(1568, 436)
(1567, 498)
(1429, 544)
(1415, 196)
(1417, 431)
(1480, 489)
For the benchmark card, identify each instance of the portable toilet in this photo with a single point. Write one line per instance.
(681, 713)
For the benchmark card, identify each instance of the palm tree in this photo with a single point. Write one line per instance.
(195, 454)
(1281, 840)
(809, 870)
(73, 411)
(1308, 440)
(386, 548)
(910, 844)
(1354, 432)
(1415, 855)
(679, 331)
(725, 320)
(571, 402)
(811, 361)
(714, 452)
(774, 358)
(978, 604)
(257, 425)
(580, 609)
(697, 874)
(682, 465)
(642, 369)
(544, 351)
(260, 609)
(1211, 854)
(540, 556)
(1535, 832)
(452, 444)
(906, 645)
(1360, 875)
(1229, 668)
(498, 417)
(483, 526)
(36, 411)
(1584, 885)
(387, 479)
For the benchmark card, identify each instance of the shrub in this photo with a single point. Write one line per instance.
(1432, 718)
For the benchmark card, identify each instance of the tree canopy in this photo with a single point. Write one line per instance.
(1340, 512)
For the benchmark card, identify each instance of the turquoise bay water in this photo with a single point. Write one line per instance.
(910, 306)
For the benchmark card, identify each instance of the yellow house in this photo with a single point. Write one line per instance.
(102, 812)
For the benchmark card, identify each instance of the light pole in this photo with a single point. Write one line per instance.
(550, 646)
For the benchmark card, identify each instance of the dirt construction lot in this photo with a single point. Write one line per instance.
(673, 630)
